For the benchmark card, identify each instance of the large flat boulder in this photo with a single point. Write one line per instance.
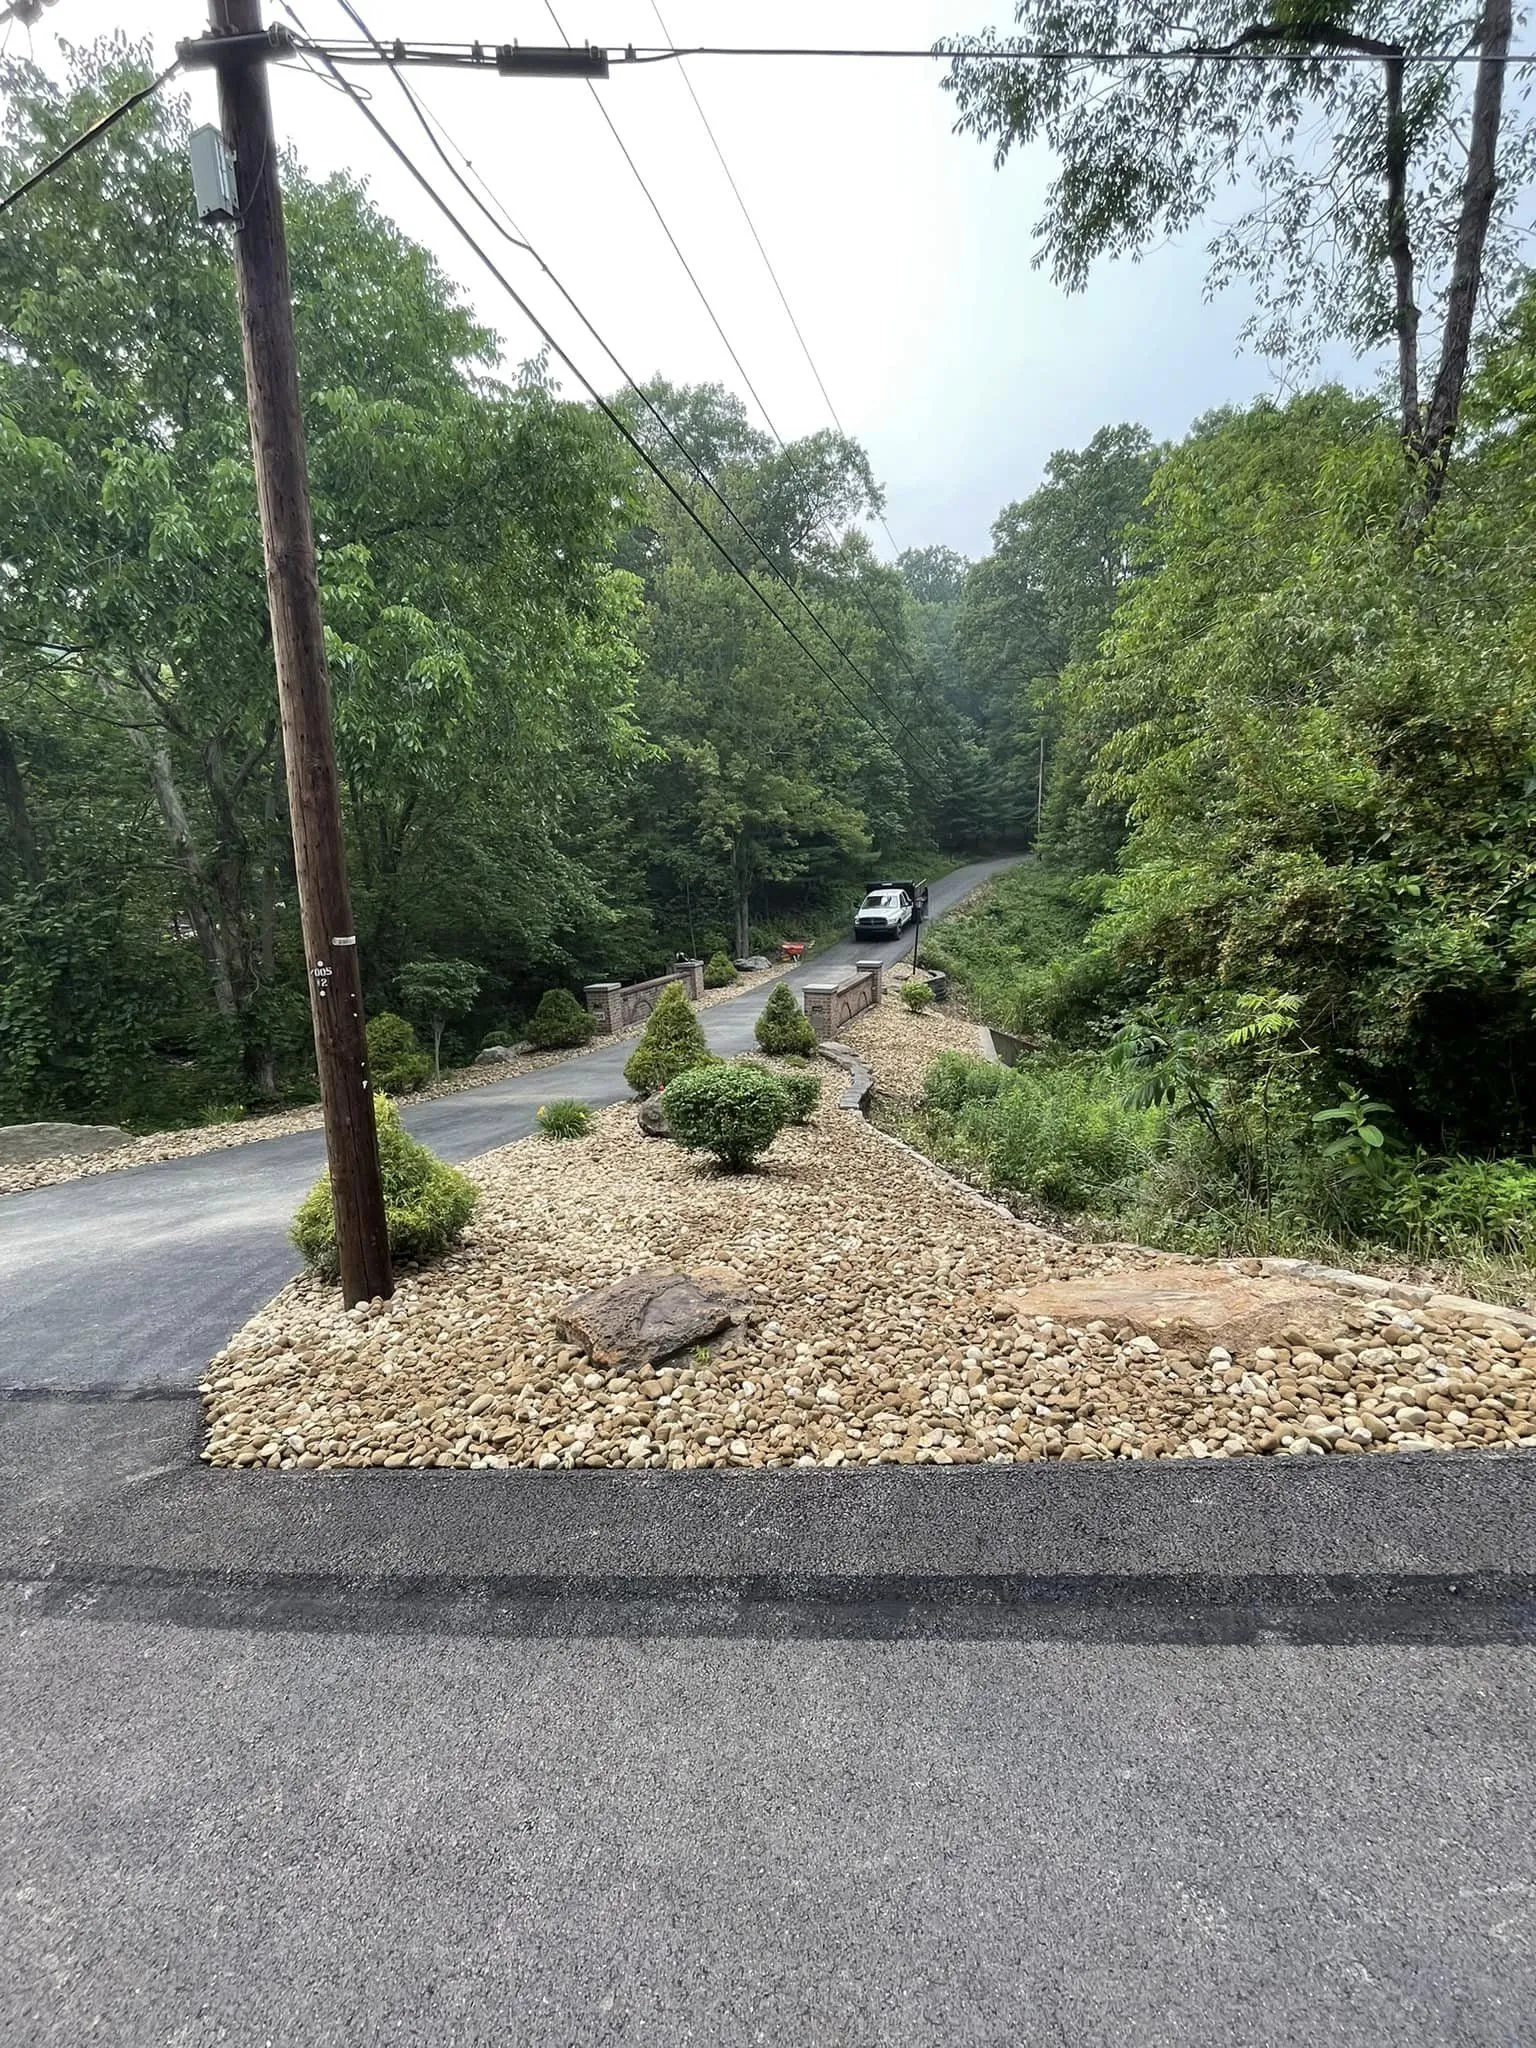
(649, 1316)
(1187, 1307)
(25, 1144)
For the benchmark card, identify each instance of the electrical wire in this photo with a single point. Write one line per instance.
(92, 134)
(482, 56)
(703, 296)
(746, 214)
(520, 241)
(620, 427)
(865, 602)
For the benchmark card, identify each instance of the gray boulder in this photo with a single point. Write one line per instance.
(493, 1055)
(24, 1144)
(752, 964)
(652, 1118)
(648, 1316)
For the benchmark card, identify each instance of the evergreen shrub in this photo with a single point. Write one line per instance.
(426, 1204)
(396, 1063)
(734, 1112)
(671, 1044)
(783, 1026)
(559, 1021)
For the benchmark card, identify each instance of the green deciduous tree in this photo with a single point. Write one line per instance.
(1376, 190)
(439, 992)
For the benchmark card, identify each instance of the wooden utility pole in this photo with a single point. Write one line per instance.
(303, 685)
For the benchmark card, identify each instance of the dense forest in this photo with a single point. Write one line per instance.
(1261, 701)
(573, 740)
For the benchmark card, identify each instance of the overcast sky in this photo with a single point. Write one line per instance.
(905, 255)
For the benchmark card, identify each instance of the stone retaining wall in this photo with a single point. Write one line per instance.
(832, 1004)
(618, 1009)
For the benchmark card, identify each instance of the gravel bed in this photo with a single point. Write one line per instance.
(186, 1144)
(900, 1044)
(876, 1333)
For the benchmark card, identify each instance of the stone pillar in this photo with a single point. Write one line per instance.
(602, 1002)
(818, 1007)
(692, 972)
(877, 969)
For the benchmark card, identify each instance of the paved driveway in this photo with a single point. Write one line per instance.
(137, 1278)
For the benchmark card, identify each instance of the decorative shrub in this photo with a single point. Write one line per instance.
(917, 995)
(783, 1026)
(719, 971)
(564, 1119)
(735, 1112)
(426, 1204)
(804, 1092)
(671, 1044)
(396, 1063)
(559, 1021)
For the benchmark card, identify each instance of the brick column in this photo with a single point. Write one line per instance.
(818, 1006)
(601, 1002)
(692, 972)
(877, 969)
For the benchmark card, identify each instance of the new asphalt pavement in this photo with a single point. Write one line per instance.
(1165, 1755)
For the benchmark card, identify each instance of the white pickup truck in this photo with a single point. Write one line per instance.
(889, 908)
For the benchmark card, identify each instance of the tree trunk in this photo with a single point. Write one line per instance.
(1400, 250)
(1478, 192)
(212, 942)
(437, 1048)
(13, 794)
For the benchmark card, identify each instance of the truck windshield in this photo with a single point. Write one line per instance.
(880, 902)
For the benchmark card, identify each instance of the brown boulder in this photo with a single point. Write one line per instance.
(1186, 1307)
(649, 1316)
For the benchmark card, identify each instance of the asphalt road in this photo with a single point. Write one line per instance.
(1184, 1757)
(1181, 1755)
(135, 1279)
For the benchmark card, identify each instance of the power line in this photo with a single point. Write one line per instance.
(746, 214)
(616, 422)
(520, 241)
(92, 134)
(492, 56)
(866, 603)
(703, 296)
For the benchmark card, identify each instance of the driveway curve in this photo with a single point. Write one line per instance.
(133, 1280)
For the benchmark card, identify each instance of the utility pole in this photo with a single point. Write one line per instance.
(298, 643)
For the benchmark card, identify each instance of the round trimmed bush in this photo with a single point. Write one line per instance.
(671, 1044)
(564, 1119)
(426, 1204)
(719, 971)
(917, 995)
(735, 1112)
(783, 1026)
(396, 1063)
(559, 1021)
(804, 1092)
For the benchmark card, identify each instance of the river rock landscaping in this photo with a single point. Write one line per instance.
(883, 1314)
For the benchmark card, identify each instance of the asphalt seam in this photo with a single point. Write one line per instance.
(1176, 1609)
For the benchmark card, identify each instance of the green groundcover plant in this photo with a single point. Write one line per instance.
(564, 1119)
